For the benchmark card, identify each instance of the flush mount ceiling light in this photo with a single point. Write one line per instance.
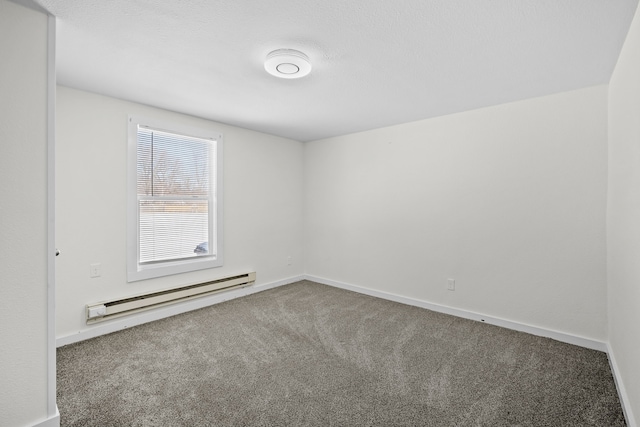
(287, 64)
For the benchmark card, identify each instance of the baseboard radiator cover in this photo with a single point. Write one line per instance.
(107, 310)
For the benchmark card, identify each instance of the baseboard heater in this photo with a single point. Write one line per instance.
(101, 311)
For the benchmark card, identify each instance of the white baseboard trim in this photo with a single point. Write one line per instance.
(161, 313)
(168, 311)
(516, 326)
(622, 391)
(52, 421)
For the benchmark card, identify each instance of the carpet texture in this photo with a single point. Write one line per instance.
(306, 354)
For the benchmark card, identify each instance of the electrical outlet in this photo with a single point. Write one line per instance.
(451, 284)
(95, 270)
(289, 260)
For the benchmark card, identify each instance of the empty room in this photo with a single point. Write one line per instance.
(311, 213)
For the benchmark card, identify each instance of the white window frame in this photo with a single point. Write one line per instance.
(137, 271)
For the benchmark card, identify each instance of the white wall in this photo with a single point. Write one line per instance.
(23, 228)
(623, 217)
(509, 201)
(262, 204)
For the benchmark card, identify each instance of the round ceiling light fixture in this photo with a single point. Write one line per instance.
(287, 64)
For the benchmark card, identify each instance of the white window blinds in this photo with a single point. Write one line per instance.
(176, 196)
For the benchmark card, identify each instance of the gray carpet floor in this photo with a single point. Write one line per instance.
(306, 354)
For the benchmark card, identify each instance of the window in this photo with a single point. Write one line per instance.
(175, 200)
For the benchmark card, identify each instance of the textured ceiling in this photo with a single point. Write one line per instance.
(375, 62)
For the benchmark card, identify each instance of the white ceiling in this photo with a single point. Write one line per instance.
(375, 62)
